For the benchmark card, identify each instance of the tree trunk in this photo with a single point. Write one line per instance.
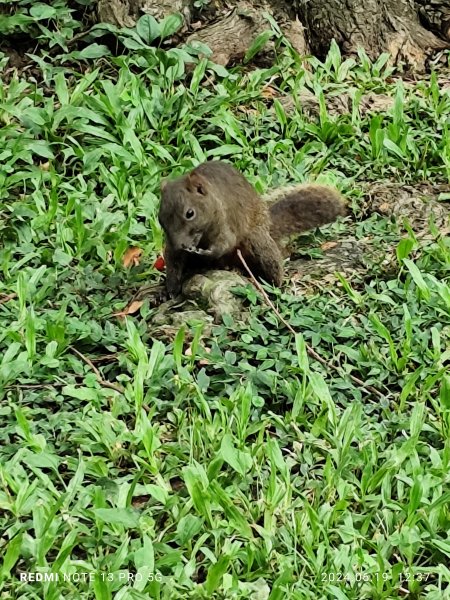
(378, 26)
(409, 30)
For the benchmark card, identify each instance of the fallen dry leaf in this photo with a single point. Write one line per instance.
(269, 92)
(384, 208)
(44, 166)
(328, 245)
(132, 257)
(132, 308)
(7, 297)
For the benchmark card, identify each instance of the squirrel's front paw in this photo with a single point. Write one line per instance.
(203, 251)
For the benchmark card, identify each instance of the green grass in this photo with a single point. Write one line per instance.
(248, 471)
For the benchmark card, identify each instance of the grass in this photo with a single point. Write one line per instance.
(249, 471)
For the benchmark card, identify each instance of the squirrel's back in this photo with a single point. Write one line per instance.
(241, 203)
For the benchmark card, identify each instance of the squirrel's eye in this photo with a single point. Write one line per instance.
(190, 214)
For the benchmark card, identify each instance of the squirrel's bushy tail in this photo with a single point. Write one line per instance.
(303, 207)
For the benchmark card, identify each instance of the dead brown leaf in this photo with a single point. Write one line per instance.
(328, 245)
(7, 297)
(132, 308)
(269, 92)
(132, 257)
(384, 208)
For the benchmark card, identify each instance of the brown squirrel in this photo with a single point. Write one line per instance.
(212, 211)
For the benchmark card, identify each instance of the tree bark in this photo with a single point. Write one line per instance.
(378, 26)
(409, 30)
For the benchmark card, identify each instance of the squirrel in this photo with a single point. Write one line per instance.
(212, 211)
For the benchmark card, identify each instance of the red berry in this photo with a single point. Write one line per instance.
(159, 264)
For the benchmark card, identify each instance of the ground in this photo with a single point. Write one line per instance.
(222, 461)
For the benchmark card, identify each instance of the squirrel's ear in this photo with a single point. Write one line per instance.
(196, 183)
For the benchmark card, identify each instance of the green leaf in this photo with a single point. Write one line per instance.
(444, 394)
(41, 148)
(62, 258)
(11, 556)
(81, 393)
(443, 546)
(92, 51)
(33, 115)
(417, 419)
(102, 588)
(235, 516)
(302, 354)
(276, 457)
(178, 345)
(240, 461)
(334, 55)
(148, 28)
(42, 11)
(392, 147)
(417, 278)
(132, 44)
(159, 493)
(404, 248)
(281, 114)
(197, 485)
(145, 556)
(415, 497)
(258, 44)
(170, 24)
(188, 527)
(127, 517)
(216, 573)
(61, 88)
(43, 460)
(225, 150)
(335, 592)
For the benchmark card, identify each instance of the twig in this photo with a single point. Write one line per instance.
(34, 386)
(78, 36)
(7, 298)
(105, 358)
(147, 291)
(103, 382)
(312, 353)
